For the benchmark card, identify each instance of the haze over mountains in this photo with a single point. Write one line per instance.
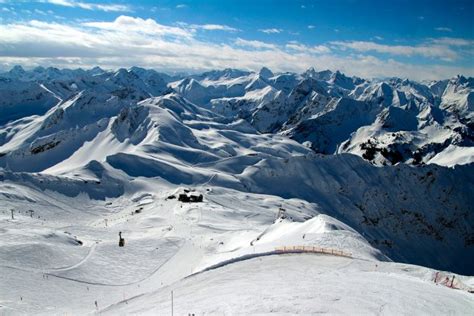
(379, 168)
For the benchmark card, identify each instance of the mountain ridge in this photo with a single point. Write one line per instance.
(306, 107)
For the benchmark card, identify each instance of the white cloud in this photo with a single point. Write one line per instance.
(443, 29)
(430, 50)
(207, 27)
(65, 3)
(89, 6)
(129, 41)
(270, 31)
(255, 44)
(214, 27)
(318, 49)
(181, 6)
(453, 41)
(311, 27)
(127, 24)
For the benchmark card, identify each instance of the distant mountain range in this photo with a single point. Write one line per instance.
(383, 121)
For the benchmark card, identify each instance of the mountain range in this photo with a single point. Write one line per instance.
(383, 121)
(380, 168)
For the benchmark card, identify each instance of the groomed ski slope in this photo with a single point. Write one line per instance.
(304, 284)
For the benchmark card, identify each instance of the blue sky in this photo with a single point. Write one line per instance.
(415, 39)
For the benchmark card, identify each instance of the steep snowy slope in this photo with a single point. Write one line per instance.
(34, 92)
(458, 97)
(383, 204)
(21, 99)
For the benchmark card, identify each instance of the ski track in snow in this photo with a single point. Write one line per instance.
(51, 273)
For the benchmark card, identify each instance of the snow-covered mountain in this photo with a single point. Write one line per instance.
(380, 169)
(384, 122)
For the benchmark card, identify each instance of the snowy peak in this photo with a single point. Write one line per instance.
(342, 81)
(17, 72)
(96, 71)
(227, 73)
(306, 86)
(265, 73)
(324, 75)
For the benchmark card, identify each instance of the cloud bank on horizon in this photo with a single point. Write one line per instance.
(425, 40)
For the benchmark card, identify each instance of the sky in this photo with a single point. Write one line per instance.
(421, 40)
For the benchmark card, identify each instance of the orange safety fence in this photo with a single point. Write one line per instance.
(314, 249)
